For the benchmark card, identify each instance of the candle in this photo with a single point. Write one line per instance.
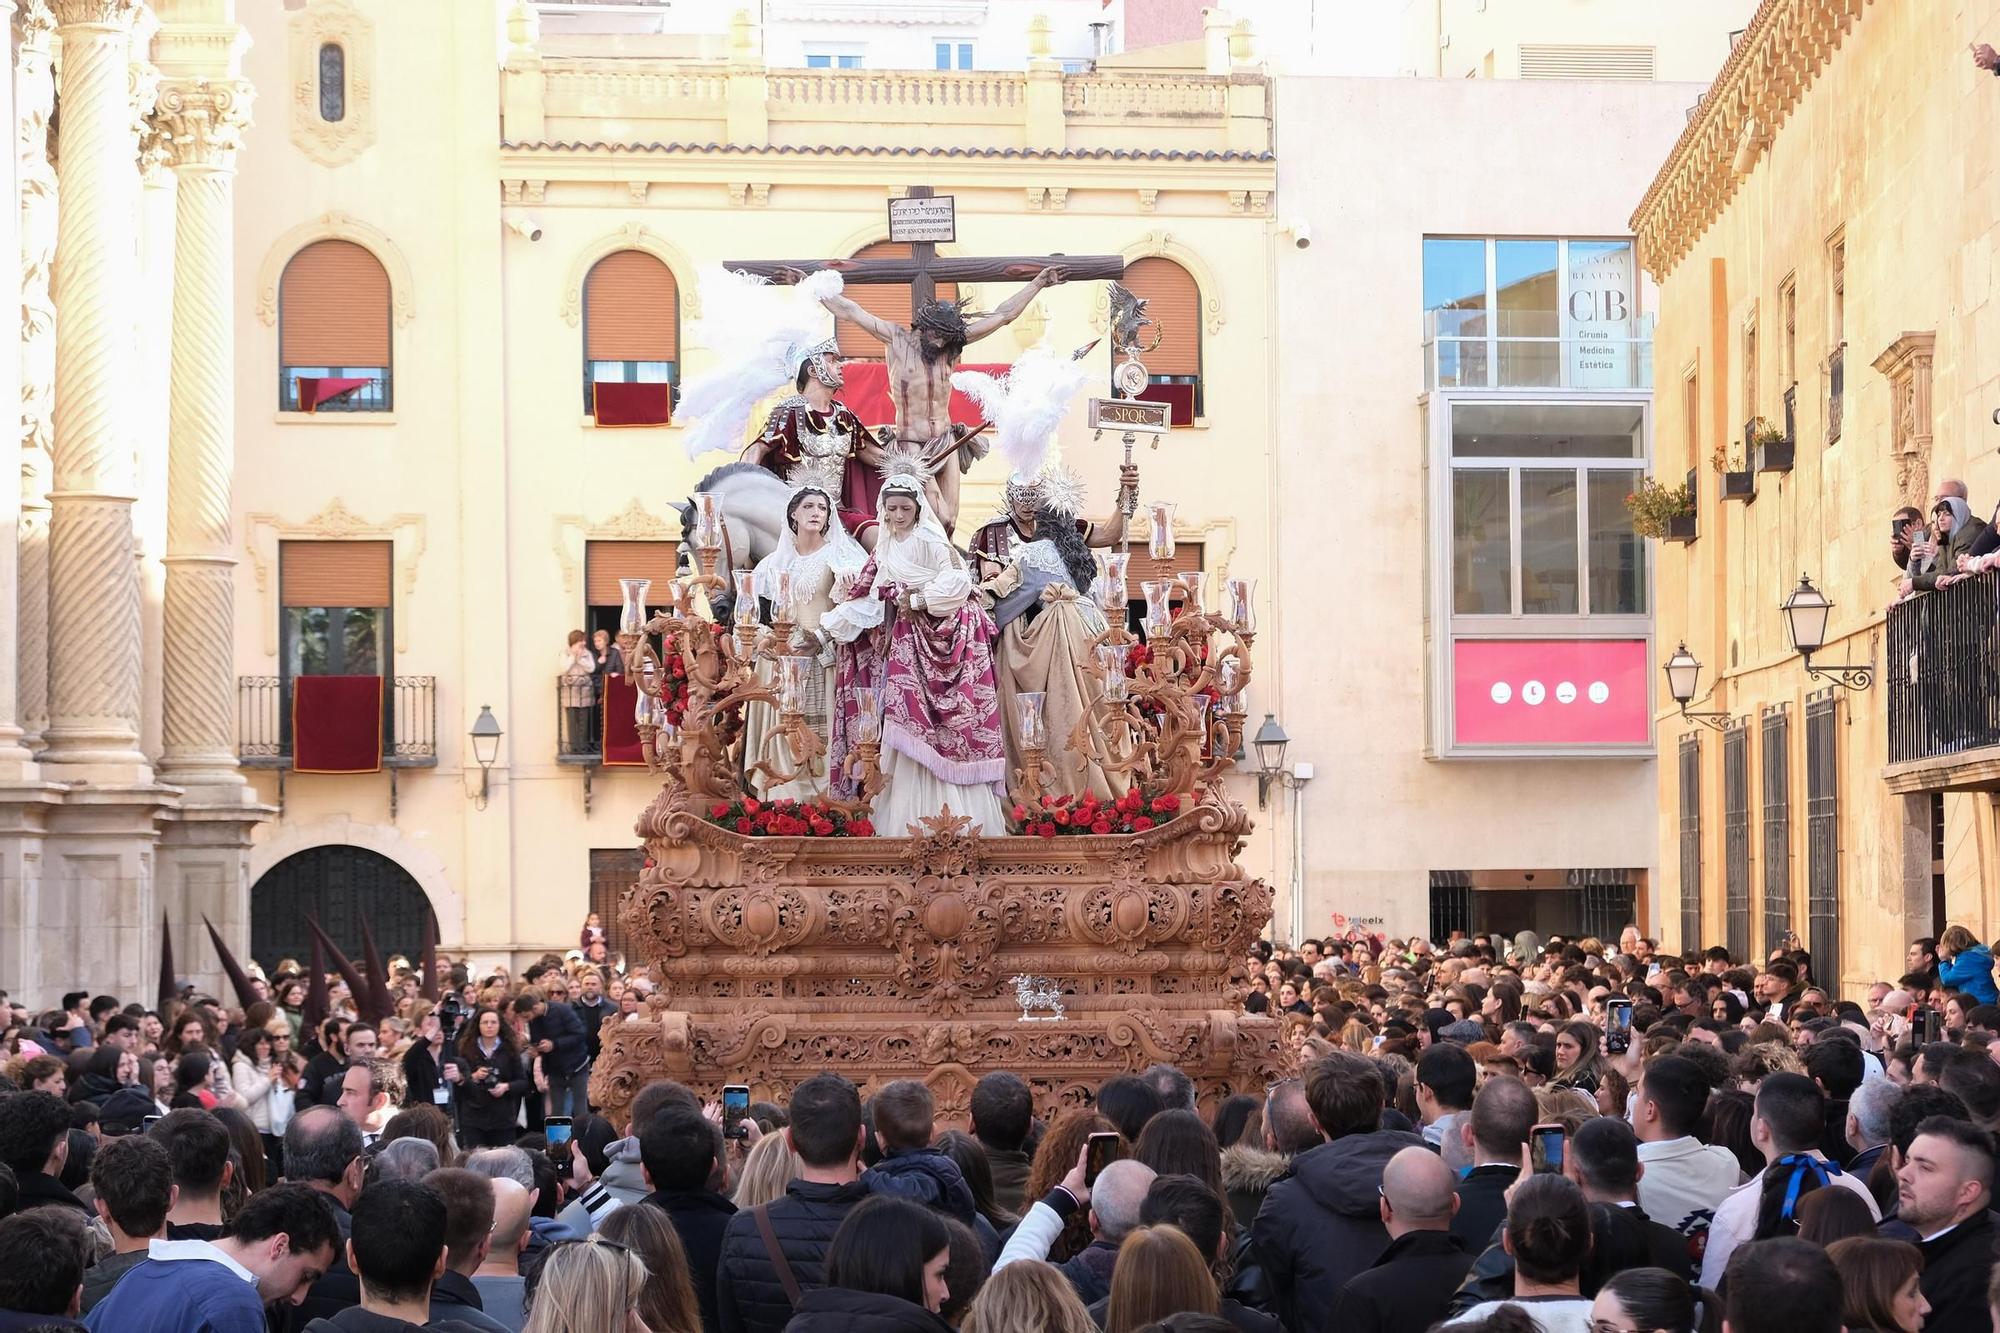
(632, 618)
(1228, 680)
(1242, 593)
(792, 683)
(1111, 661)
(1029, 719)
(1159, 613)
(1111, 587)
(707, 520)
(1162, 543)
(1191, 581)
(785, 597)
(867, 716)
(746, 597)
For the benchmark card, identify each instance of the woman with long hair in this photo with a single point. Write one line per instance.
(156, 1077)
(1653, 1300)
(970, 1156)
(1878, 1284)
(109, 1069)
(492, 1080)
(766, 1172)
(667, 1304)
(1177, 1143)
(186, 1033)
(1028, 1297)
(1825, 1216)
(885, 1273)
(1725, 1122)
(1054, 1157)
(1964, 964)
(1577, 1064)
(1159, 1273)
(246, 1150)
(584, 1286)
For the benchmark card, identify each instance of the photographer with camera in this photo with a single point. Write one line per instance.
(428, 1072)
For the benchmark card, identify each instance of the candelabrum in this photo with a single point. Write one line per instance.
(1031, 735)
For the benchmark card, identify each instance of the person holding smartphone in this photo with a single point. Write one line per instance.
(493, 1077)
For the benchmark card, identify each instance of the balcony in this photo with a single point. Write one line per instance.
(579, 725)
(1944, 689)
(1471, 359)
(264, 722)
(324, 389)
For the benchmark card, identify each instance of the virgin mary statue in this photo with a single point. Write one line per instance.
(910, 627)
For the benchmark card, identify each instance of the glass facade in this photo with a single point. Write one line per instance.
(1540, 313)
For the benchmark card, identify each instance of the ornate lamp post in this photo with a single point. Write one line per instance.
(486, 735)
(1683, 675)
(1807, 611)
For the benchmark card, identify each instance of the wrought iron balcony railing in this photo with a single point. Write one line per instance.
(264, 722)
(1944, 675)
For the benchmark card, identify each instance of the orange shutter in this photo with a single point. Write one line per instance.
(1186, 560)
(631, 309)
(607, 562)
(333, 573)
(890, 301)
(1173, 302)
(333, 307)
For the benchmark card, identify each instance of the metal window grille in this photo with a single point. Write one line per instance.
(1451, 903)
(1736, 841)
(1690, 801)
(1822, 836)
(1777, 826)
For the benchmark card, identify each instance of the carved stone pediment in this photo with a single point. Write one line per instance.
(1906, 363)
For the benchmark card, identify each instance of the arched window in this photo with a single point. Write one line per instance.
(890, 301)
(631, 336)
(1173, 303)
(332, 82)
(333, 331)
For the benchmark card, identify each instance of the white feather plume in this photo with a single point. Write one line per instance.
(1027, 404)
(757, 331)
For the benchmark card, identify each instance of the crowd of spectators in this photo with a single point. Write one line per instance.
(1484, 1135)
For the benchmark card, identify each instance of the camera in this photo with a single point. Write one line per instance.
(451, 1013)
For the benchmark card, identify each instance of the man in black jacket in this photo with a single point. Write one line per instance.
(1603, 1159)
(557, 1035)
(1322, 1224)
(398, 1249)
(755, 1282)
(592, 1007)
(1502, 1114)
(678, 1148)
(34, 1142)
(1411, 1283)
(468, 1238)
(1944, 1189)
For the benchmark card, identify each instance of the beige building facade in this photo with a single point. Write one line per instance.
(1823, 236)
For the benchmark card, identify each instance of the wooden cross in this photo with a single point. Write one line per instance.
(923, 270)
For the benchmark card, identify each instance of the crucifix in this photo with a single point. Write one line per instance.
(921, 357)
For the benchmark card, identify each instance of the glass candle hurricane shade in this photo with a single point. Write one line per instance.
(746, 597)
(1161, 514)
(1030, 719)
(648, 711)
(792, 683)
(707, 520)
(1191, 581)
(867, 716)
(1111, 584)
(1159, 604)
(783, 609)
(1241, 593)
(1229, 681)
(1111, 661)
(632, 616)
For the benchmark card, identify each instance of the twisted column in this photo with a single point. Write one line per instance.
(34, 102)
(204, 120)
(94, 627)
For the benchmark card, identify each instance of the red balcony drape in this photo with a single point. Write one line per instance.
(337, 724)
(615, 403)
(621, 733)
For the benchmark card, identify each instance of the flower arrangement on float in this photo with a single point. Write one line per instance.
(1091, 815)
(787, 818)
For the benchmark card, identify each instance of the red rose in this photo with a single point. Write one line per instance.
(1045, 830)
(860, 828)
(1141, 824)
(751, 805)
(1020, 813)
(1101, 826)
(1166, 804)
(1047, 801)
(1061, 816)
(718, 810)
(822, 829)
(744, 826)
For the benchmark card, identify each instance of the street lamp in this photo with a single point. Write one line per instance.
(486, 735)
(1807, 611)
(1683, 674)
(1270, 741)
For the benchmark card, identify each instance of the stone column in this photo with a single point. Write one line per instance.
(15, 760)
(34, 101)
(94, 623)
(205, 120)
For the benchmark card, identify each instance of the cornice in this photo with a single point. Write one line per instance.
(1773, 64)
(598, 147)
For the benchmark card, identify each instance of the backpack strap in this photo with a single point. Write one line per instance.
(776, 1252)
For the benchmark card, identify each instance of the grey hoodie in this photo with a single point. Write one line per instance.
(623, 1182)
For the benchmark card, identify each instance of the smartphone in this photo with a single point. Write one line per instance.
(735, 1108)
(557, 1129)
(1929, 1023)
(1545, 1149)
(1617, 1026)
(146, 1125)
(1103, 1150)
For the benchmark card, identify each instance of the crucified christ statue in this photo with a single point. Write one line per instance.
(920, 360)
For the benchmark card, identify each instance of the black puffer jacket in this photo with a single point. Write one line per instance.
(838, 1310)
(928, 1177)
(748, 1296)
(1322, 1224)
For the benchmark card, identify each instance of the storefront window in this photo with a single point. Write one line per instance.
(1482, 579)
(1455, 306)
(1548, 543)
(1533, 313)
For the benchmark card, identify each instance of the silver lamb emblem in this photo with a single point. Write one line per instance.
(1033, 993)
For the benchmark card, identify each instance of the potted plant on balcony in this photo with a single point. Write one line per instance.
(1665, 512)
(1770, 446)
(1738, 481)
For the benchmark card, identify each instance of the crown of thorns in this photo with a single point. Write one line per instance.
(946, 317)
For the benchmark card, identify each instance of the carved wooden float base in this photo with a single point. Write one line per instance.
(885, 958)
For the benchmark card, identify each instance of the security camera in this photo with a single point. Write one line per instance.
(522, 225)
(1301, 233)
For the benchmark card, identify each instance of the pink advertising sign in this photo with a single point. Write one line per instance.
(1551, 691)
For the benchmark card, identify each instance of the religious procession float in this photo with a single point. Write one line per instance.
(931, 810)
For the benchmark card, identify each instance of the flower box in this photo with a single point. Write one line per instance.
(1681, 528)
(1739, 485)
(1777, 455)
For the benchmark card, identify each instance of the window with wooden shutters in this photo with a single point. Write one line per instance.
(890, 301)
(1173, 303)
(1736, 840)
(612, 871)
(1822, 836)
(333, 331)
(631, 322)
(336, 602)
(1690, 831)
(1777, 826)
(605, 563)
